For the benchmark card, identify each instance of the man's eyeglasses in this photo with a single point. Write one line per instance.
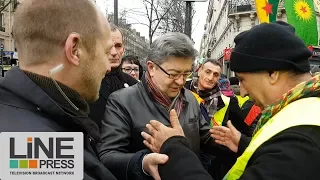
(129, 70)
(174, 75)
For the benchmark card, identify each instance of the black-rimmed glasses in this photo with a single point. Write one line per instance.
(173, 75)
(129, 70)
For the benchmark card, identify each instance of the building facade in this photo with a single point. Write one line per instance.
(134, 43)
(9, 55)
(225, 20)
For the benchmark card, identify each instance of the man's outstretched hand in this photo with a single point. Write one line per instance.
(227, 136)
(159, 133)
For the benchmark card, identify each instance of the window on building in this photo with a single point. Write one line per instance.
(2, 22)
(1, 41)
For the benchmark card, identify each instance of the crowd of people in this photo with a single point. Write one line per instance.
(158, 123)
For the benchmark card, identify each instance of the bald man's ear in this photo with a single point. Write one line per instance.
(124, 50)
(71, 48)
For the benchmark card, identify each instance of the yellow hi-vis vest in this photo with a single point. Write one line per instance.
(288, 117)
(242, 100)
(218, 117)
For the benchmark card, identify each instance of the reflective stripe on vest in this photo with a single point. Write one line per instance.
(218, 117)
(242, 100)
(199, 99)
(288, 117)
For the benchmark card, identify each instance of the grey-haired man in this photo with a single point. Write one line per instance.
(161, 89)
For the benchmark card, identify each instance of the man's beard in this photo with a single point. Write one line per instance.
(91, 85)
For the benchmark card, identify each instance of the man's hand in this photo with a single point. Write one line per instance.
(159, 133)
(150, 164)
(227, 136)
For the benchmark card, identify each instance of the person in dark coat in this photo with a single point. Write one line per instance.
(161, 89)
(62, 62)
(286, 142)
(114, 80)
(206, 85)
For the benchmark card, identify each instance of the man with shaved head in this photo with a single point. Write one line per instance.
(63, 50)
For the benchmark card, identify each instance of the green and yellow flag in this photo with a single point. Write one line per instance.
(267, 10)
(301, 15)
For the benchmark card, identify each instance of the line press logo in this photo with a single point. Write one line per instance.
(39, 155)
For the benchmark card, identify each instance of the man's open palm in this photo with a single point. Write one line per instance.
(227, 136)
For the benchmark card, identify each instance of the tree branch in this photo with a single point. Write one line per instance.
(161, 18)
(147, 10)
(5, 6)
(140, 24)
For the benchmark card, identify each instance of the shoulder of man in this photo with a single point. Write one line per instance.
(247, 105)
(19, 114)
(126, 94)
(301, 140)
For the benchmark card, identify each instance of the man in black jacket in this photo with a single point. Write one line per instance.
(286, 141)
(216, 107)
(161, 89)
(114, 80)
(62, 63)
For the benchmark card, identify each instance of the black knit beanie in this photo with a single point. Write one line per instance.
(270, 47)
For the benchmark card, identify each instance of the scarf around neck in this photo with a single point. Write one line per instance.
(163, 99)
(306, 89)
(210, 97)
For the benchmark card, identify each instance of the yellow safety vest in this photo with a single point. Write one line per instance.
(288, 117)
(242, 100)
(219, 115)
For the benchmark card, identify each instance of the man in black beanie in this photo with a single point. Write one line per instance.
(273, 46)
(272, 64)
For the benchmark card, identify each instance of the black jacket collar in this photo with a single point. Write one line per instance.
(18, 83)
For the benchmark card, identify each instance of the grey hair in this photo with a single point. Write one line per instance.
(213, 61)
(115, 28)
(171, 44)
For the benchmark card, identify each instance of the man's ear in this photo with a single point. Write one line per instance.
(150, 68)
(124, 50)
(273, 77)
(71, 48)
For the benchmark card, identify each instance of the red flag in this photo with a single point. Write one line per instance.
(227, 54)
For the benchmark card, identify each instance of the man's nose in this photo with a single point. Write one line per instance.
(211, 78)
(113, 51)
(180, 81)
